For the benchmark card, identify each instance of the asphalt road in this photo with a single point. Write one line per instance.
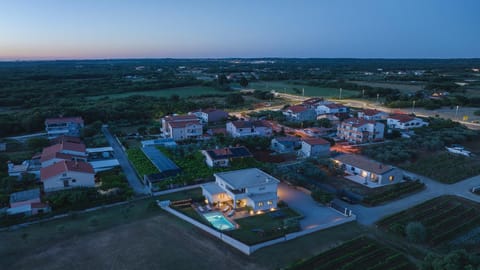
(370, 215)
(128, 169)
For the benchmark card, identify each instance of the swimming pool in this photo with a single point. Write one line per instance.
(219, 221)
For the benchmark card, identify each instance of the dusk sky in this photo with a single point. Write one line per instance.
(70, 29)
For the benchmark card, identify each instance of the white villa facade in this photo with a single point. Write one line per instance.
(182, 127)
(248, 187)
(356, 130)
(248, 128)
(403, 121)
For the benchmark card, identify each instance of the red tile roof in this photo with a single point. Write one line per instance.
(56, 148)
(371, 112)
(59, 155)
(316, 141)
(364, 163)
(297, 108)
(402, 118)
(61, 120)
(65, 166)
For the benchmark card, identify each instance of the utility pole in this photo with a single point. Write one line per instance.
(303, 92)
(378, 95)
(340, 96)
(456, 113)
(413, 107)
(363, 93)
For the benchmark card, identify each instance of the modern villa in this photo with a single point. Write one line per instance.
(248, 187)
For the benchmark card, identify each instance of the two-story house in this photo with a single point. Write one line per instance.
(288, 144)
(356, 130)
(313, 103)
(404, 121)
(182, 127)
(64, 150)
(67, 174)
(248, 187)
(63, 126)
(331, 108)
(210, 115)
(299, 113)
(248, 128)
(372, 115)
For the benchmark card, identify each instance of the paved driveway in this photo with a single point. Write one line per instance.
(315, 213)
(370, 215)
(130, 173)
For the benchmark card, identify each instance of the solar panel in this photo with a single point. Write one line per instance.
(158, 159)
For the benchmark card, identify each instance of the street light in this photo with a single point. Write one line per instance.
(456, 113)
(363, 93)
(340, 96)
(413, 107)
(378, 95)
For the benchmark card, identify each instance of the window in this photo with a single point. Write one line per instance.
(261, 188)
(74, 180)
(260, 204)
(269, 202)
(391, 178)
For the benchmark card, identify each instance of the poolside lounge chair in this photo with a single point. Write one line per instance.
(231, 213)
(201, 209)
(208, 207)
(226, 208)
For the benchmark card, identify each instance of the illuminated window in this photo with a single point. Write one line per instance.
(269, 202)
(260, 204)
(391, 178)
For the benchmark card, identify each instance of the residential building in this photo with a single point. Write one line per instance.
(241, 188)
(356, 130)
(63, 151)
(372, 115)
(70, 126)
(67, 174)
(318, 131)
(248, 128)
(366, 171)
(182, 127)
(299, 113)
(404, 121)
(210, 115)
(221, 157)
(27, 202)
(315, 147)
(331, 108)
(288, 144)
(313, 103)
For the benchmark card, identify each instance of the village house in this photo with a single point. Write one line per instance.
(366, 171)
(221, 157)
(63, 126)
(248, 187)
(313, 103)
(315, 147)
(182, 127)
(404, 121)
(27, 202)
(372, 115)
(67, 174)
(64, 150)
(331, 108)
(210, 115)
(248, 128)
(299, 113)
(287, 144)
(356, 130)
(316, 132)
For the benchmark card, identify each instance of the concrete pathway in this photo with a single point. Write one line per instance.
(370, 215)
(128, 169)
(315, 213)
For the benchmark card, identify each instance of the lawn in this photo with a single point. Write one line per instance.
(141, 163)
(186, 91)
(406, 88)
(444, 167)
(288, 87)
(444, 218)
(193, 194)
(359, 253)
(264, 227)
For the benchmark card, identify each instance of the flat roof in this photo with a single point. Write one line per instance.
(99, 149)
(246, 178)
(25, 195)
(263, 196)
(213, 188)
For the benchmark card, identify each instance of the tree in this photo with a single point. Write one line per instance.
(234, 99)
(243, 82)
(415, 232)
(222, 80)
(36, 144)
(457, 259)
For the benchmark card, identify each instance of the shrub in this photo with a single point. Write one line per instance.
(322, 196)
(415, 232)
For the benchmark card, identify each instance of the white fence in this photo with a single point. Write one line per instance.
(246, 249)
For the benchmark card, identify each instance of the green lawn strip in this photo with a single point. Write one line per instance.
(141, 163)
(194, 194)
(187, 91)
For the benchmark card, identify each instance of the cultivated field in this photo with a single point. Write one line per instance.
(359, 253)
(186, 91)
(286, 87)
(401, 86)
(146, 238)
(444, 218)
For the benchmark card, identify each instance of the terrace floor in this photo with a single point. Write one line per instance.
(315, 213)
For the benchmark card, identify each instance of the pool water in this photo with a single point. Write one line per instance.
(219, 221)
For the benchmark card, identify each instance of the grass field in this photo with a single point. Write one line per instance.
(401, 86)
(186, 91)
(284, 86)
(359, 253)
(146, 238)
(444, 218)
